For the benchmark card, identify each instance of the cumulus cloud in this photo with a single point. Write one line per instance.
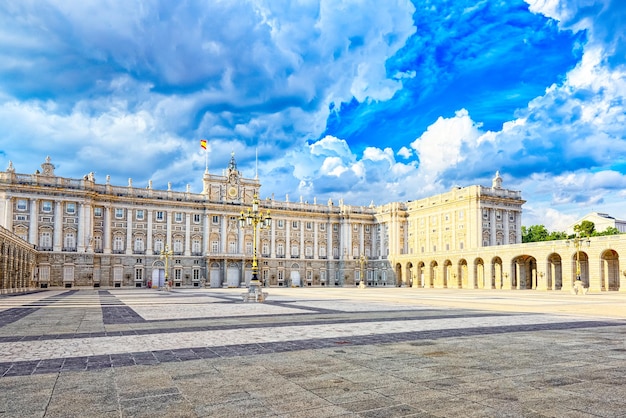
(336, 97)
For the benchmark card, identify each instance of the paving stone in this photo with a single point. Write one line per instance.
(310, 352)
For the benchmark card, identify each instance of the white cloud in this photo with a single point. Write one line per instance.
(440, 147)
(405, 153)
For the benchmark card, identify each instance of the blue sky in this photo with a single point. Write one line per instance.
(356, 100)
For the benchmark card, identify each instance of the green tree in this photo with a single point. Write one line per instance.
(585, 228)
(610, 230)
(556, 235)
(534, 233)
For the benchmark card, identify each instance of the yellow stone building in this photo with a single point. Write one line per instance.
(85, 233)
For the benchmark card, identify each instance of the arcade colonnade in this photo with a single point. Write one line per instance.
(17, 263)
(550, 265)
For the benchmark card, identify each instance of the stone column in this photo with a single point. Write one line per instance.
(33, 225)
(149, 250)
(80, 234)
(287, 239)
(168, 238)
(315, 240)
(58, 226)
(187, 233)
(129, 231)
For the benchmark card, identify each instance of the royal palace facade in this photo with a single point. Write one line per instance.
(78, 232)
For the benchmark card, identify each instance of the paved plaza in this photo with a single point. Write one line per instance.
(312, 352)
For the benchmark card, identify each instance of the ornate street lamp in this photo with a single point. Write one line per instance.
(257, 219)
(166, 254)
(578, 241)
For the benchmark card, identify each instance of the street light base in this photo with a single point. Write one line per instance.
(255, 292)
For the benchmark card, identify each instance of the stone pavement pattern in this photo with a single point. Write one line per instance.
(312, 353)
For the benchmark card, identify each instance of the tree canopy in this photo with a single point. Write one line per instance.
(537, 233)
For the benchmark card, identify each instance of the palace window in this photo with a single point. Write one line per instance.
(196, 218)
(249, 248)
(178, 245)
(280, 249)
(322, 227)
(138, 244)
(139, 214)
(159, 215)
(309, 226)
(215, 219)
(281, 223)
(158, 245)
(118, 243)
(178, 217)
(119, 213)
(70, 207)
(196, 246)
(45, 240)
(294, 224)
(215, 246)
(46, 206)
(69, 241)
(21, 205)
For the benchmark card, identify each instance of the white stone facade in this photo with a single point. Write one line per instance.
(92, 234)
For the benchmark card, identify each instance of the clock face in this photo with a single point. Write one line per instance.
(232, 192)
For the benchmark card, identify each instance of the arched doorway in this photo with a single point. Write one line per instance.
(479, 274)
(609, 271)
(524, 275)
(554, 272)
(434, 272)
(496, 280)
(398, 275)
(410, 279)
(158, 275)
(583, 264)
(447, 272)
(294, 275)
(233, 277)
(463, 276)
(215, 278)
(420, 274)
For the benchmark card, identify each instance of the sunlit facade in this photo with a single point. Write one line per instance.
(87, 233)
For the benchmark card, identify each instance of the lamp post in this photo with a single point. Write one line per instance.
(257, 219)
(166, 254)
(578, 241)
(362, 281)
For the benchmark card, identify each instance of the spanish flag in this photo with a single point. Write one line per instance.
(203, 143)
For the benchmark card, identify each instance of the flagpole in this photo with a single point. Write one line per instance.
(205, 145)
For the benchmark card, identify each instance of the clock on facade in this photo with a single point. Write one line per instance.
(232, 192)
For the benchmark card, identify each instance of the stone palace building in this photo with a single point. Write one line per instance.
(63, 232)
